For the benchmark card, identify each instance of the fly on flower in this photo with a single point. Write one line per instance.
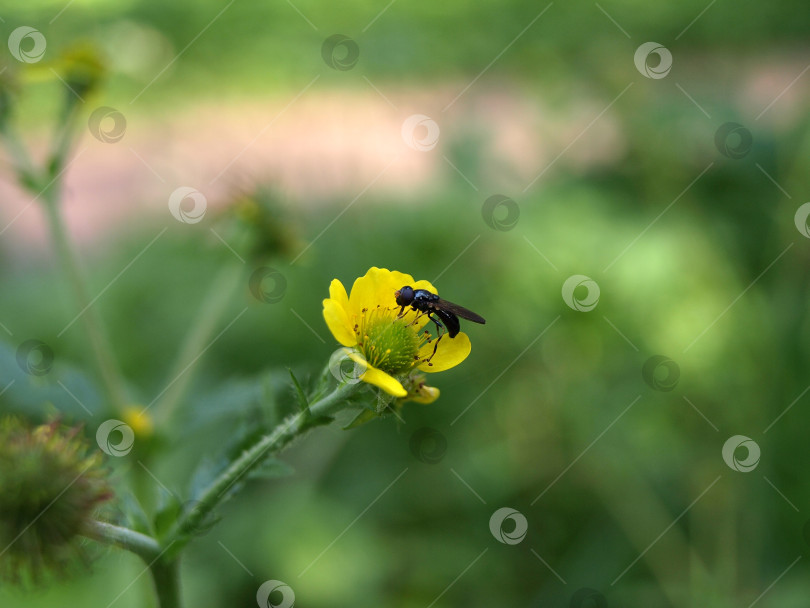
(443, 313)
(387, 340)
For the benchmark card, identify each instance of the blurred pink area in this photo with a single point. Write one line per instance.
(332, 145)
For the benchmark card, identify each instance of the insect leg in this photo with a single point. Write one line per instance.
(439, 335)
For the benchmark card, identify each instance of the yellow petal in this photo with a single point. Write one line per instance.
(338, 322)
(365, 290)
(379, 378)
(337, 292)
(424, 285)
(450, 352)
(426, 394)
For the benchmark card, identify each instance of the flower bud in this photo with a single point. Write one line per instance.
(50, 487)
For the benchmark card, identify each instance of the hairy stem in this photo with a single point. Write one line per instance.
(145, 547)
(290, 428)
(165, 572)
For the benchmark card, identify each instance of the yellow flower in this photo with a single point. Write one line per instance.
(391, 350)
(139, 421)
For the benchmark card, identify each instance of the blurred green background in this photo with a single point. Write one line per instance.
(696, 254)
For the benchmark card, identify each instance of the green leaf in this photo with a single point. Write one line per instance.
(312, 421)
(63, 388)
(134, 515)
(169, 508)
(361, 418)
(303, 404)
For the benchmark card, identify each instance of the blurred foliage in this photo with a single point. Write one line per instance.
(532, 408)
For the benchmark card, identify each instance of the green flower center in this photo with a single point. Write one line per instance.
(387, 343)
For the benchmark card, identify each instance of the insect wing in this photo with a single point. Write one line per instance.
(460, 311)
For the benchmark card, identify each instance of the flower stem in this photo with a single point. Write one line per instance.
(165, 572)
(100, 346)
(166, 577)
(289, 429)
(46, 183)
(214, 304)
(146, 547)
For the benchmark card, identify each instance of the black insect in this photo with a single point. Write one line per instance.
(443, 313)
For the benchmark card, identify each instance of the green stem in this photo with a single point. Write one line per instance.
(166, 577)
(214, 305)
(165, 572)
(146, 547)
(100, 345)
(47, 184)
(26, 174)
(289, 429)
